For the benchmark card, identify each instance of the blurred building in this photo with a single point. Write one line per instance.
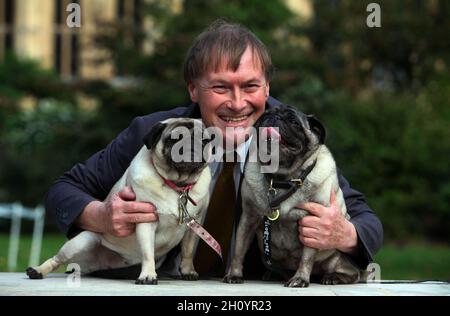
(37, 29)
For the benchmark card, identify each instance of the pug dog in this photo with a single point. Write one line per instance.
(154, 177)
(307, 172)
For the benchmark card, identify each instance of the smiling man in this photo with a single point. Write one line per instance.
(232, 91)
(227, 71)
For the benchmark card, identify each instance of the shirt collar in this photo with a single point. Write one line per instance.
(242, 151)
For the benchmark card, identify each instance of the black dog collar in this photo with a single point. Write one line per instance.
(291, 185)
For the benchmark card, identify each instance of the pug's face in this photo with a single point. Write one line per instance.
(299, 135)
(178, 148)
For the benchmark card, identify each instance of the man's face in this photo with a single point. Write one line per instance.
(232, 99)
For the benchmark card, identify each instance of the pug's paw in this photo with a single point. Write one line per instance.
(331, 279)
(191, 276)
(147, 281)
(34, 274)
(233, 279)
(297, 282)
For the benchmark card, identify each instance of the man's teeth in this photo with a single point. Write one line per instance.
(234, 119)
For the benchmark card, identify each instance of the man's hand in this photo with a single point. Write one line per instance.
(326, 227)
(117, 215)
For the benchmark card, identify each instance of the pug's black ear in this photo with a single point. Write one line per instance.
(317, 128)
(154, 135)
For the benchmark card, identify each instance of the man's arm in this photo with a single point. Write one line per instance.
(368, 226)
(76, 200)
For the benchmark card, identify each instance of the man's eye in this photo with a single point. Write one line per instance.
(251, 88)
(219, 89)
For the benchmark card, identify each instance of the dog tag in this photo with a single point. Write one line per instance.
(183, 213)
(274, 215)
(182, 208)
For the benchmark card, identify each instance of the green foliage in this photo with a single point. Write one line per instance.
(402, 54)
(416, 261)
(39, 142)
(37, 146)
(21, 77)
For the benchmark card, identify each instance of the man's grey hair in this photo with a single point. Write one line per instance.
(224, 42)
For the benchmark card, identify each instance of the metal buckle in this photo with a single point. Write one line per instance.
(274, 215)
(298, 182)
(272, 191)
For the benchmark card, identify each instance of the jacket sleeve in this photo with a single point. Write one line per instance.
(368, 227)
(93, 179)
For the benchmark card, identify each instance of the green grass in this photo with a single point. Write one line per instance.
(50, 245)
(417, 261)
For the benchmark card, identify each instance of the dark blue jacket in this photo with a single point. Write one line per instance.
(93, 180)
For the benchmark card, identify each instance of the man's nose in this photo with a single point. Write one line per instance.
(238, 101)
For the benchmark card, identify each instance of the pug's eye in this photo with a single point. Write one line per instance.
(293, 121)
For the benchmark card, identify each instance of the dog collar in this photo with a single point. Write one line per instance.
(183, 190)
(291, 185)
(176, 187)
(180, 189)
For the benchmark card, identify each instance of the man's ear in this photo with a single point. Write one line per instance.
(152, 138)
(193, 93)
(317, 128)
(267, 90)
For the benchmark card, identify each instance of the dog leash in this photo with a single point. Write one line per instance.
(275, 201)
(198, 229)
(186, 218)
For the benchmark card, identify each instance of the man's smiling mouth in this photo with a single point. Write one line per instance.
(234, 118)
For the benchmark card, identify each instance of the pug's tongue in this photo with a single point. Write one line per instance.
(272, 133)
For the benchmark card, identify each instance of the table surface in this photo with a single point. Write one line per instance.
(18, 284)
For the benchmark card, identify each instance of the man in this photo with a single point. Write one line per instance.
(227, 71)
